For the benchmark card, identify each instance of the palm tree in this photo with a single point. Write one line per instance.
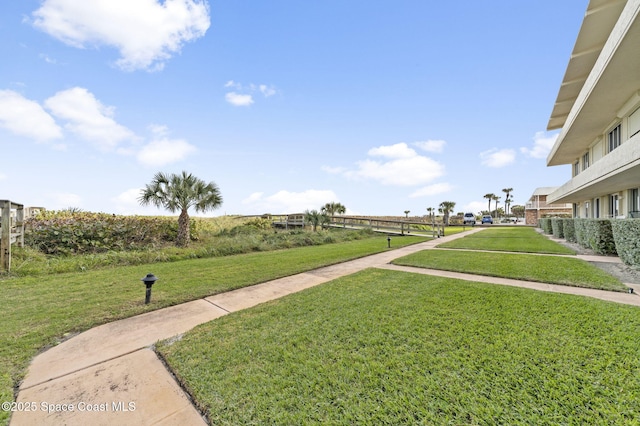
(430, 210)
(446, 207)
(507, 200)
(315, 218)
(496, 199)
(490, 197)
(332, 208)
(179, 193)
(406, 213)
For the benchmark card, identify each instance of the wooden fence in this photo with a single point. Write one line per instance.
(11, 231)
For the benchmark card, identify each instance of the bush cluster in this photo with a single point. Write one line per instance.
(594, 234)
(66, 233)
(625, 235)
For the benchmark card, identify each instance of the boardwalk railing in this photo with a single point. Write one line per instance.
(11, 231)
(390, 226)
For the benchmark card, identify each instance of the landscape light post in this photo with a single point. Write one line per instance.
(388, 241)
(148, 281)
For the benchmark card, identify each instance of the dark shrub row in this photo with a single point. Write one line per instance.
(81, 232)
(603, 236)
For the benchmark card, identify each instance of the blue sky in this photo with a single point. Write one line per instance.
(383, 106)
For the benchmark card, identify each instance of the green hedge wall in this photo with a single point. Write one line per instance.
(569, 230)
(626, 234)
(545, 224)
(557, 227)
(595, 234)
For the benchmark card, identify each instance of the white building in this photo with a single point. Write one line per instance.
(598, 110)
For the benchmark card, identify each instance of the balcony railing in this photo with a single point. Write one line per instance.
(544, 205)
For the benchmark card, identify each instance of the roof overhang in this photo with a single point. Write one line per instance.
(603, 73)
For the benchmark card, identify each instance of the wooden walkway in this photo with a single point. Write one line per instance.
(388, 226)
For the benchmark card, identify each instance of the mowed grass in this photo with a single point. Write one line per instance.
(386, 347)
(38, 311)
(529, 267)
(508, 239)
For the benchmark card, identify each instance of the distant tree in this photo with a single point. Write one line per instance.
(446, 208)
(517, 210)
(507, 200)
(431, 210)
(315, 218)
(179, 193)
(333, 208)
(406, 213)
(490, 197)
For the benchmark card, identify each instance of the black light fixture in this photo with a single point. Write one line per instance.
(148, 281)
(388, 241)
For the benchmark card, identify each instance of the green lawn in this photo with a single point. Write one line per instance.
(386, 347)
(529, 267)
(509, 239)
(38, 311)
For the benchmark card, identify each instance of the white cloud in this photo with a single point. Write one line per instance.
(145, 32)
(399, 150)
(162, 150)
(476, 206)
(63, 200)
(25, 117)
(402, 166)
(127, 200)
(238, 100)
(435, 189)
(3, 176)
(290, 202)
(333, 170)
(242, 94)
(498, 158)
(256, 196)
(267, 90)
(542, 144)
(88, 118)
(431, 145)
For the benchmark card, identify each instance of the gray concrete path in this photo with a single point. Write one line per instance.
(110, 375)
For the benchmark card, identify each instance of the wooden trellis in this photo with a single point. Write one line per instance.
(11, 231)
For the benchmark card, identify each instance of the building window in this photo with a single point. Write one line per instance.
(596, 208)
(576, 168)
(586, 209)
(614, 138)
(614, 210)
(634, 203)
(585, 161)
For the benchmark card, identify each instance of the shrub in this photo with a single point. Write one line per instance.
(579, 228)
(68, 233)
(569, 230)
(545, 225)
(598, 236)
(557, 228)
(625, 235)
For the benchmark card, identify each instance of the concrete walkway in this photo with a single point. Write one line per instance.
(110, 375)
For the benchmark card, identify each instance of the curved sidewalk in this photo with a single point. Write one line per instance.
(110, 375)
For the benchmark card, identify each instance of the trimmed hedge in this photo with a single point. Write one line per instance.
(595, 234)
(545, 224)
(557, 227)
(569, 230)
(626, 234)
